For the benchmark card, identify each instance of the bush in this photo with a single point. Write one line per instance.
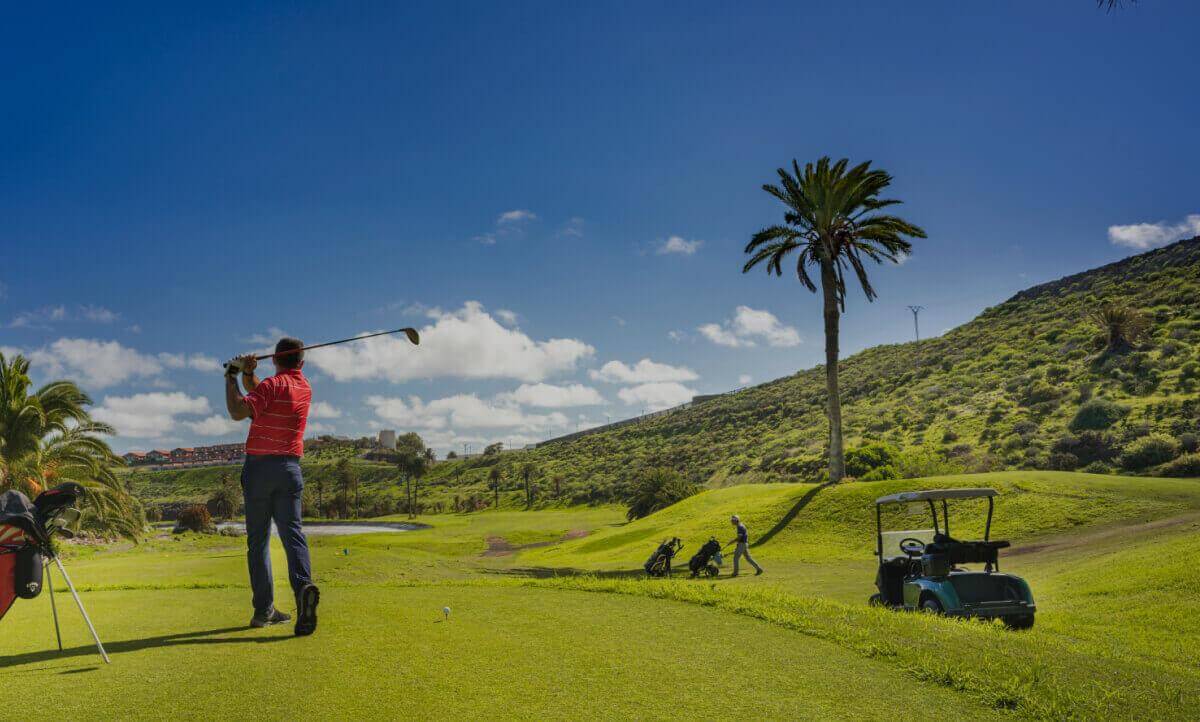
(1149, 451)
(1189, 443)
(1185, 467)
(195, 518)
(1097, 467)
(657, 489)
(1060, 461)
(1040, 392)
(861, 461)
(1097, 415)
(880, 473)
(1088, 446)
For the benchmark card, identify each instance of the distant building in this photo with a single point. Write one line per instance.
(387, 439)
(189, 456)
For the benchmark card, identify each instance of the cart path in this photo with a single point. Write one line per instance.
(498, 546)
(1068, 541)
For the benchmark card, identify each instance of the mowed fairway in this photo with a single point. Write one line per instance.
(551, 620)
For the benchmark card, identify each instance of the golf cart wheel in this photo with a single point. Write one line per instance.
(931, 605)
(712, 571)
(1019, 621)
(875, 600)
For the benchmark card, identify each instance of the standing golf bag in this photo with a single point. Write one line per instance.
(659, 563)
(707, 560)
(26, 548)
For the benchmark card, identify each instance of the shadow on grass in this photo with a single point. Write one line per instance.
(791, 514)
(551, 572)
(200, 637)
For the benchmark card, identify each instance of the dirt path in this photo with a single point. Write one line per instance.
(498, 546)
(1110, 533)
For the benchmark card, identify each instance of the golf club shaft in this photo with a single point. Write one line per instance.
(411, 333)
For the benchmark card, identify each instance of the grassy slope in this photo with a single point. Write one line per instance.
(994, 393)
(1107, 645)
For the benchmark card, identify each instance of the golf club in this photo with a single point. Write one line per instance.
(411, 333)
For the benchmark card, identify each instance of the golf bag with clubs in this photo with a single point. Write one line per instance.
(27, 549)
(659, 563)
(707, 560)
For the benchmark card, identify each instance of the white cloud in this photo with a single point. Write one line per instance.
(324, 410)
(150, 415)
(487, 239)
(721, 336)
(198, 362)
(467, 343)
(462, 411)
(94, 364)
(100, 364)
(515, 216)
(747, 325)
(39, 317)
(508, 317)
(644, 371)
(676, 336)
(99, 314)
(268, 340)
(216, 425)
(656, 396)
(745, 379)
(679, 245)
(619, 321)
(552, 397)
(573, 228)
(1144, 236)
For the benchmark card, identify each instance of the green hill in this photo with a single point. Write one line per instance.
(999, 392)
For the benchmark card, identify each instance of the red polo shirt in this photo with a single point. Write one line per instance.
(279, 409)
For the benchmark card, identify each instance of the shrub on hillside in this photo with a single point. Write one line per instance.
(1088, 446)
(1189, 443)
(1149, 451)
(860, 461)
(1098, 467)
(657, 489)
(918, 462)
(195, 518)
(1097, 415)
(880, 473)
(1040, 392)
(1185, 467)
(1060, 461)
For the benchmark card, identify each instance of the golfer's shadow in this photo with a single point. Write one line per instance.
(201, 637)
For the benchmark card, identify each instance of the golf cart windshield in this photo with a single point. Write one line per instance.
(931, 504)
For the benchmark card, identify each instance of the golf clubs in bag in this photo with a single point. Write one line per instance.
(26, 548)
(659, 563)
(707, 560)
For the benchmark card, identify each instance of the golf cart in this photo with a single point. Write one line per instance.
(922, 569)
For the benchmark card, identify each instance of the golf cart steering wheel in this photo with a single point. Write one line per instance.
(912, 547)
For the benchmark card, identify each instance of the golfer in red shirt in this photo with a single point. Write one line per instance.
(271, 479)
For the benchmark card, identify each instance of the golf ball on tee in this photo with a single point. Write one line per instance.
(446, 612)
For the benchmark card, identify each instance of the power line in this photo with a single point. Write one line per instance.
(916, 324)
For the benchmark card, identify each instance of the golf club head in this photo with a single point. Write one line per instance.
(413, 336)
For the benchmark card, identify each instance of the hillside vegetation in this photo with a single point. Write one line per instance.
(1025, 385)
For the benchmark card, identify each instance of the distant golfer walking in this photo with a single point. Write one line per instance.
(271, 479)
(743, 546)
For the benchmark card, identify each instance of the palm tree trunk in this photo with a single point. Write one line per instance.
(837, 461)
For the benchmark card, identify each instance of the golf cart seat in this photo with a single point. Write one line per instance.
(966, 552)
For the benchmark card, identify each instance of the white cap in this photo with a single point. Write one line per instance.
(734, 518)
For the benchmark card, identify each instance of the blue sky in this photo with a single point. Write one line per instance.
(555, 192)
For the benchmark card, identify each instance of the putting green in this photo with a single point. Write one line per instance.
(505, 652)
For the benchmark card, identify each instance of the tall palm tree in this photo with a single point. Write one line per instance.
(47, 437)
(527, 472)
(831, 222)
(494, 476)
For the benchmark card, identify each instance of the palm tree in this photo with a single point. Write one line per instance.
(48, 437)
(494, 482)
(831, 221)
(527, 472)
(1123, 326)
(347, 483)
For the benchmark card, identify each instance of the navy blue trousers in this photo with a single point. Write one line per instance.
(272, 486)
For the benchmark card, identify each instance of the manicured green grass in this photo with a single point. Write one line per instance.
(1110, 564)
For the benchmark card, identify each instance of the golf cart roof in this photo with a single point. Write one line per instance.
(935, 495)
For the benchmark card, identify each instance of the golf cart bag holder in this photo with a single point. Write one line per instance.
(26, 548)
(702, 561)
(659, 563)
